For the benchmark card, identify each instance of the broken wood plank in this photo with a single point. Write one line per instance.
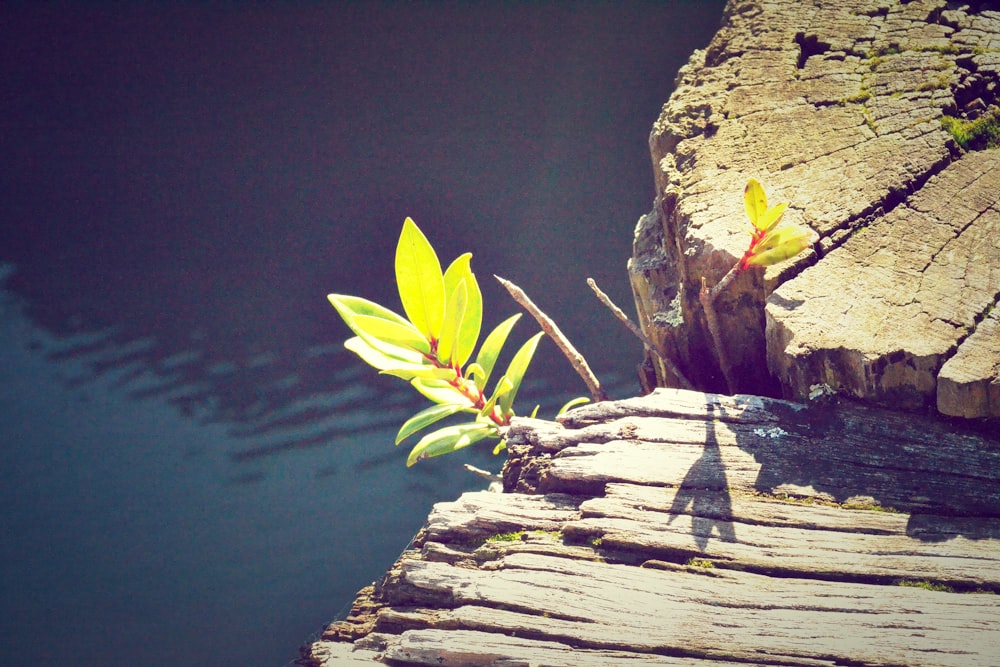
(596, 606)
(667, 552)
(835, 451)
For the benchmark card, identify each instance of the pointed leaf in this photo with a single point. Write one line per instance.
(515, 371)
(390, 332)
(755, 201)
(475, 372)
(579, 400)
(452, 325)
(440, 391)
(503, 386)
(772, 217)
(450, 439)
(351, 308)
(410, 371)
(783, 243)
(419, 280)
(426, 417)
(490, 349)
(348, 306)
(378, 358)
(472, 321)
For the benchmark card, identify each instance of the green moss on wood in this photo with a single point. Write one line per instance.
(979, 134)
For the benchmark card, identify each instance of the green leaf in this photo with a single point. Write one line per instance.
(502, 445)
(390, 332)
(503, 386)
(450, 439)
(452, 326)
(475, 372)
(781, 244)
(426, 417)
(755, 201)
(579, 400)
(440, 391)
(419, 280)
(410, 371)
(347, 306)
(352, 308)
(490, 349)
(763, 218)
(772, 217)
(472, 321)
(516, 369)
(378, 358)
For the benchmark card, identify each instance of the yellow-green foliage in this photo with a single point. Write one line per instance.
(926, 585)
(515, 536)
(976, 134)
(430, 347)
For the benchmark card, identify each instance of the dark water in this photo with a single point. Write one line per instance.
(193, 472)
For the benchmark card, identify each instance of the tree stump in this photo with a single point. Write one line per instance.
(842, 109)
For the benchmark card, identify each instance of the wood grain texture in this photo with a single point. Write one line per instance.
(638, 532)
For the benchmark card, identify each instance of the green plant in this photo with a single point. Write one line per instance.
(770, 243)
(926, 585)
(984, 132)
(430, 348)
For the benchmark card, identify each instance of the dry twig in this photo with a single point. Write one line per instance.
(634, 328)
(576, 359)
(707, 298)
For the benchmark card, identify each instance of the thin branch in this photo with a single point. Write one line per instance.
(724, 283)
(576, 359)
(634, 328)
(707, 298)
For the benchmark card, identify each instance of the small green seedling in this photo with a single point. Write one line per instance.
(431, 347)
(770, 242)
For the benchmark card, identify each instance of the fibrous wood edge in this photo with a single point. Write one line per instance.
(680, 614)
(685, 550)
(831, 450)
(476, 648)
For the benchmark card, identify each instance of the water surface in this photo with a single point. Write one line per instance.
(194, 472)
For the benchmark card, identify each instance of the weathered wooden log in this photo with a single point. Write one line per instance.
(689, 529)
(842, 109)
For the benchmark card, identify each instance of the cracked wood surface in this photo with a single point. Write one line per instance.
(836, 108)
(687, 529)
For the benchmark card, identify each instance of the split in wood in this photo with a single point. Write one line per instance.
(707, 297)
(576, 360)
(634, 328)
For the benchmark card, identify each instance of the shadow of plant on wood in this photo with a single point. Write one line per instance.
(705, 490)
(946, 476)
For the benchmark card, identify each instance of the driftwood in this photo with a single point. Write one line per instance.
(689, 529)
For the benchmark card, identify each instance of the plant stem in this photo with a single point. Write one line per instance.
(576, 360)
(707, 298)
(634, 328)
(724, 283)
